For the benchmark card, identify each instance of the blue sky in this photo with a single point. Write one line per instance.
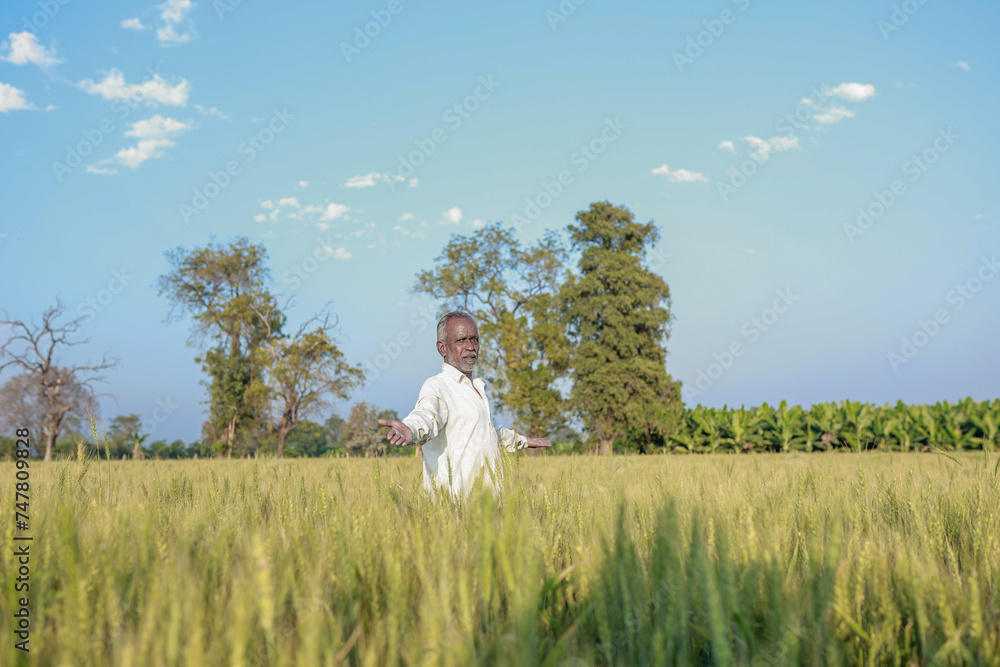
(820, 175)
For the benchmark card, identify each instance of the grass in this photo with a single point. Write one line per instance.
(814, 559)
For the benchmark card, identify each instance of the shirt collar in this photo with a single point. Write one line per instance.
(459, 376)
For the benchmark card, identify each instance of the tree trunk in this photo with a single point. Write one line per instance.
(605, 447)
(230, 436)
(50, 440)
(286, 425)
(53, 425)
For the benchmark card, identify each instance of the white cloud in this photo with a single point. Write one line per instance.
(727, 146)
(24, 48)
(92, 169)
(289, 201)
(133, 24)
(268, 204)
(211, 111)
(856, 92)
(961, 64)
(833, 115)
(260, 217)
(405, 231)
(678, 175)
(370, 180)
(774, 144)
(303, 184)
(174, 12)
(407, 216)
(146, 149)
(782, 144)
(334, 211)
(366, 181)
(312, 208)
(12, 98)
(478, 224)
(414, 182)
(762, 145)
(156, 127)
(152, 134)
(337, 253)
(168, 35)
(151, 90)
(452, 216)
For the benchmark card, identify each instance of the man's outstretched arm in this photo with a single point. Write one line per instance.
(399, 433)
(425, 421)
(511, 440)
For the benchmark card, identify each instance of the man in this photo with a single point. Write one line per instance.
(452, 417)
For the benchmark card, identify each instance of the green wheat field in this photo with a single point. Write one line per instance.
(781, 559)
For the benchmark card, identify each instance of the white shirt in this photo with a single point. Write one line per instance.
(453, 423)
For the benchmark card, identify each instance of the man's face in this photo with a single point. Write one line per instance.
(461, 345)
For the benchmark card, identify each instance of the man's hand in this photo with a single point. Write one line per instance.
(399, 433)
(533, 443)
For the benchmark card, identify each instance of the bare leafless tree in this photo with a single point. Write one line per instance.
(63, 389)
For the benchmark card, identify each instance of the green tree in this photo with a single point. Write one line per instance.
(362, 435)
(309, 439)
(307, 370)
(618, 316)
(333, 428)
(224, 289)
(513, 294)
(125, 435)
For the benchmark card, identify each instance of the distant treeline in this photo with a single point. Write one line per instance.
(357, 435)
(843, 426)
(848, 425)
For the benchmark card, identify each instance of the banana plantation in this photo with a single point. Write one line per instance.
(848, 425)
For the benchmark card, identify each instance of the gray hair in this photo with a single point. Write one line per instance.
(448, 317)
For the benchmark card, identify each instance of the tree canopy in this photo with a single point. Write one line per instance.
(618, 315)
(511, 291)
(261, 382)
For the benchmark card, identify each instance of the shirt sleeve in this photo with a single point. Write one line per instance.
(429, 416)
(510, 440)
